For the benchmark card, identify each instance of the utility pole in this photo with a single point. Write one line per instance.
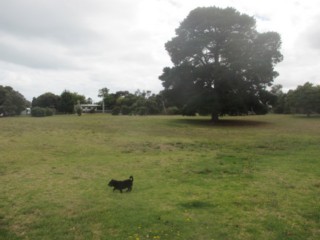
(103, 93)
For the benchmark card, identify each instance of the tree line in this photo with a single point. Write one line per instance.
(49, 103)
(126, 103)
(305, 99)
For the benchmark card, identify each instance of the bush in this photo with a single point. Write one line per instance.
(116, 111)
(141, 111)
(41, 112)
(125, 110)
(49, 111)
(173, 111)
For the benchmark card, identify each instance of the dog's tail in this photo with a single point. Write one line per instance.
(131, 178)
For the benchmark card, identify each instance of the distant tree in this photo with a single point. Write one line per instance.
(46, 100)
(279, 103)
(110, 101)
(78, 98)
(222, 65)
(89, 100)
(103, 92)
(140, 103)
(67, 102)
(305, 99)
(11, 102)
(154, 104)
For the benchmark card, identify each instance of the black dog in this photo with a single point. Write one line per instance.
(120, 185)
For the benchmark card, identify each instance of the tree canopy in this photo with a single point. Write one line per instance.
(47, 99)
(222, 65)
(11, 101)
(304, 99)
(64, 103)
(126, 103)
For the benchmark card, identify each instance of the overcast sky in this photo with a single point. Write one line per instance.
(85, 45)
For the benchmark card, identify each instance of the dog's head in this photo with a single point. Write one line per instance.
(111, 183)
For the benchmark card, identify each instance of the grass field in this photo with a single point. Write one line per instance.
(253, 177)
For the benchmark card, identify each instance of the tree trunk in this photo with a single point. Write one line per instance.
(214, 117)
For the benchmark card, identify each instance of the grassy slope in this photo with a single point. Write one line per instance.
(245, 178)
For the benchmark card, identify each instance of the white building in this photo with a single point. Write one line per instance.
(89, 108)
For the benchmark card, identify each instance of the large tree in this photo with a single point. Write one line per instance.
(11, 101)
(222, 65)
(68, 100)
(46, 100)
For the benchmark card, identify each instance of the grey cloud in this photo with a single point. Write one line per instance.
(32, 60)
(312, 35)
(86, 29)
(40, 57)
(307, 41)
(61, 21)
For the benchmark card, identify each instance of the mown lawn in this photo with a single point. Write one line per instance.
(253, 177)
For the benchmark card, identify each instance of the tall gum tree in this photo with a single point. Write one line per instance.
(222, 65)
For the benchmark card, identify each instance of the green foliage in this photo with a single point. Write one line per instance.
(173, 110)
(125, 110)
(222, 65)
(116, 111)
(103, 92)
(140, 103)
(68, 100)
(11, 101)
(305, 99)
(41, 112)
(64, 103)
(141, 111)
(46, 100)
(279, 101)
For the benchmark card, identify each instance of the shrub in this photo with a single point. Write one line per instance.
(41, 112)
(49, 111)
(125, 110)
(173, 111)
(116, 111)
(141, 111)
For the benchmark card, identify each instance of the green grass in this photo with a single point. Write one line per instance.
(253, 177)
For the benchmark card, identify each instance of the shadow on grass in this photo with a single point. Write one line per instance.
(222, 122)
